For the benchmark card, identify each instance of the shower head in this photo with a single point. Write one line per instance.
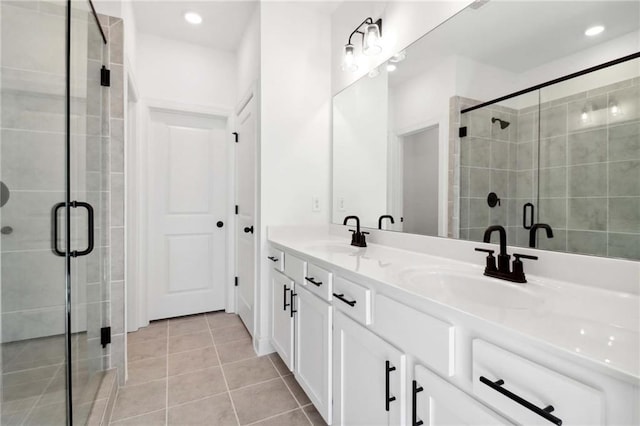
(503, 124)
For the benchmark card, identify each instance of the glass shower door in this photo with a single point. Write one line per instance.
(32, 172)
(53, 154)
(88, 185)
(590, 163)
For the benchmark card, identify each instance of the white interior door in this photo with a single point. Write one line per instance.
(187, 203)
(246, 225)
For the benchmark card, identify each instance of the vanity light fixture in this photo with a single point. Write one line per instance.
(371, 44)
(193, 18)
(594, 31)
(349, 60)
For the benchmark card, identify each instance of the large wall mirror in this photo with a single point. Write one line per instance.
(509, 113)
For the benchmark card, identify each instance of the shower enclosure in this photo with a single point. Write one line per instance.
(566, 155)
(53, 210)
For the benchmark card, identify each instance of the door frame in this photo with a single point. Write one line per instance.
(140, 168)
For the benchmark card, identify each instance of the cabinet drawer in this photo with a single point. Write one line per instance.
(573, 403)
(318, 281)
(295, 268)
(276, 257)
(352, 299)
(427, 338)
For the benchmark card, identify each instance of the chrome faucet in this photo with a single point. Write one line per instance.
(357, 239)
(504, 269)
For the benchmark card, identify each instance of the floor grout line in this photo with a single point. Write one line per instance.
(228, 391)
(198, 399)
(136, 416)
(273, 417)
(300, 406)
(224, 377)
(37, 401)
(166, 392)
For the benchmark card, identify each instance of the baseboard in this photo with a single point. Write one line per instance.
(263, 346)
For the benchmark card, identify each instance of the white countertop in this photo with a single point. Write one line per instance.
(594, 324)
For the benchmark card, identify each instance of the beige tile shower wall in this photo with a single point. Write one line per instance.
(590, 171)
(113, 225)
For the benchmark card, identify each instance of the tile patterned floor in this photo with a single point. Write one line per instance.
(33, 387)
(202, 370)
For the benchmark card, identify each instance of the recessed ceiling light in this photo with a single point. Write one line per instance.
(398, 57)
(193, 18)
(594, 31)
(391, 67)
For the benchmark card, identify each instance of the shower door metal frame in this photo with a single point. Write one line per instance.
(554, 81)
(68, 253)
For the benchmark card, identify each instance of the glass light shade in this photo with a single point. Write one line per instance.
(614, 108)
(193, 18)
(349, 60)
(584, 117)
(372, 45)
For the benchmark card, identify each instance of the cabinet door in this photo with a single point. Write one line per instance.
(282, 291)
(313, 350)
(436, 402)
(368, 377)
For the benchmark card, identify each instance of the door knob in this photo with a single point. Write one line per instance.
(6, 230)
(220, 224)
(248, 229)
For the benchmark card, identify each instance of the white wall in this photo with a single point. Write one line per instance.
(402, 24)
(360, 128)
(295, 123)
(248, 55)
(185, 73)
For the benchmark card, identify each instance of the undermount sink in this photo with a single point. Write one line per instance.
(332, 247)
(480, 290)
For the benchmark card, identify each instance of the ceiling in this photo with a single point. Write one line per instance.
(517, 36)
(223, 22)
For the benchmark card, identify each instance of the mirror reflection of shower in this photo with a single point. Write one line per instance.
(503, 123)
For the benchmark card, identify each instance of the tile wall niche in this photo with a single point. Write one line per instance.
(582, 173)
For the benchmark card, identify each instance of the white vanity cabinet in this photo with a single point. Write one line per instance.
(528, 392)
(368, 377)
(302, 325)
(370, 355)
(282, 316)
(313, 320)
(435, 402)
